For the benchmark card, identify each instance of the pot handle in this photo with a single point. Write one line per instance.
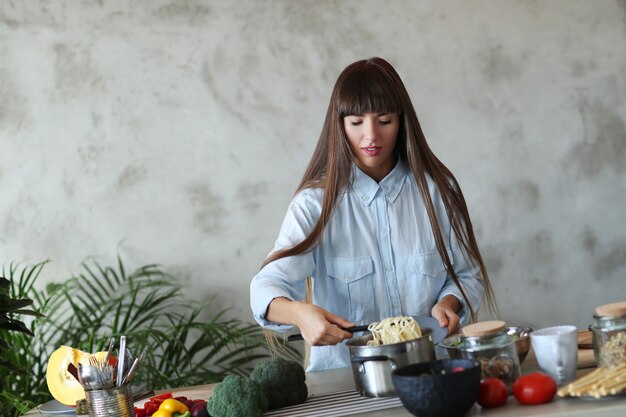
(361, 359)
(377, 358)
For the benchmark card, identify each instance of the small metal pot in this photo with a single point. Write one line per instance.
(372, 365)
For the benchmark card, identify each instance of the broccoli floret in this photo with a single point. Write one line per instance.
(282, 381)
(237, 396)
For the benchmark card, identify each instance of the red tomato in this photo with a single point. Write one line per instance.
(458, 369)
(493, 393)
(140, 412)
(534, 388)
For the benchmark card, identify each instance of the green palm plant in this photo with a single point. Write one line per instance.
(187, 343)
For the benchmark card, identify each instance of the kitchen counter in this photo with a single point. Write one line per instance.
(341, 379)
(326, 382)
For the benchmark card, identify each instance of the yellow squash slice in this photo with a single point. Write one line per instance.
(62, 385)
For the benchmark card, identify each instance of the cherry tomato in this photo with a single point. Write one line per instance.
(458, 369)
(493, 393)
(534, 388)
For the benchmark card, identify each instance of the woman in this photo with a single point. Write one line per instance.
(377, 222)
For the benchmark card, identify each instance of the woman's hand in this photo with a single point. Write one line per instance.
(445, 311)
(319, 327)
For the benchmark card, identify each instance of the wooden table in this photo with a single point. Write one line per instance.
(326, 382)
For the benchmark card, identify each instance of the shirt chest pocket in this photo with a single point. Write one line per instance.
(355, 290)
(430, 264)
(427, 276)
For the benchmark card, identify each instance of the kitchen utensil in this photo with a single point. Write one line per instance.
(438, 332)
(120, 361)
(131, 371)
(556, 349)
(354, 329)
(372, 365)
(437, 388)
(71, 368)
(87, 376)
(129, 359)
(143, 395)
(109, 350)
(100, 379)
(134, 366)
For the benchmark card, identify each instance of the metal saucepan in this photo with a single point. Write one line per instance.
(438, 333)
(372, 365)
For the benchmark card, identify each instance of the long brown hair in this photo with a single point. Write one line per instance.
(373, 85)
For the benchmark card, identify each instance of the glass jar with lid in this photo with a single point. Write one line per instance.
(609, 334)
(488, 343)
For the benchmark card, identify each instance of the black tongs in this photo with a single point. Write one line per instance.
(354, 329)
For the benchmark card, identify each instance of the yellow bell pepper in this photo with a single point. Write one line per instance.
(170, 407)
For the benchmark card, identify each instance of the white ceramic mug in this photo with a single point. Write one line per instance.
(556, 350)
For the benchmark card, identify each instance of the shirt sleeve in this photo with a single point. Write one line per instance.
(286, 277)
(468, 273)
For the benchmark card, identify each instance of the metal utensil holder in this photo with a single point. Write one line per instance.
(113, 402)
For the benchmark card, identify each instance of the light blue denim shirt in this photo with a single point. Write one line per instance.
(377, 258)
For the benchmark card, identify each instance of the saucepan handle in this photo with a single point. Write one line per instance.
(377, 358)
(355, 329)
(361, 359)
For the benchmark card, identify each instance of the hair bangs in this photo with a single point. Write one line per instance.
(366, 89)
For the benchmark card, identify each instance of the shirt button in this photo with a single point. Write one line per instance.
(392, 195)
(347, 277)
(394, 305)
(366, 197)
(388, 269)
(385, 231)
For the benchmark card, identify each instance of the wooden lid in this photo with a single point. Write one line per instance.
(484, 328)
(612, 310)
(585, 339)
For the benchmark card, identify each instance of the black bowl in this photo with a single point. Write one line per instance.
(438, 388)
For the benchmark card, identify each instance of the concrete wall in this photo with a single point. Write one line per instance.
(176, 132)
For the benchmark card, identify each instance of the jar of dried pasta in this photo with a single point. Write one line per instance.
(609, 334)
(488, 343)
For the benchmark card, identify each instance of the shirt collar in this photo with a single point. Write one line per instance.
(366, 188)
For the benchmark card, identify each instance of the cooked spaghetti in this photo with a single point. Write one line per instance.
(394, 330)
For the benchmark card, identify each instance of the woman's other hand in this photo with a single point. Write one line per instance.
(319, 327)
(445, 311)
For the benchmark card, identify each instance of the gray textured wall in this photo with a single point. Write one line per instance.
(176, 131)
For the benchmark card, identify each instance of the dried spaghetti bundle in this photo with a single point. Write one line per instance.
(599, 383)
(394, 330)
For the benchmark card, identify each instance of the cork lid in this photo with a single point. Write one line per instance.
(484, 328)
(612, 310)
